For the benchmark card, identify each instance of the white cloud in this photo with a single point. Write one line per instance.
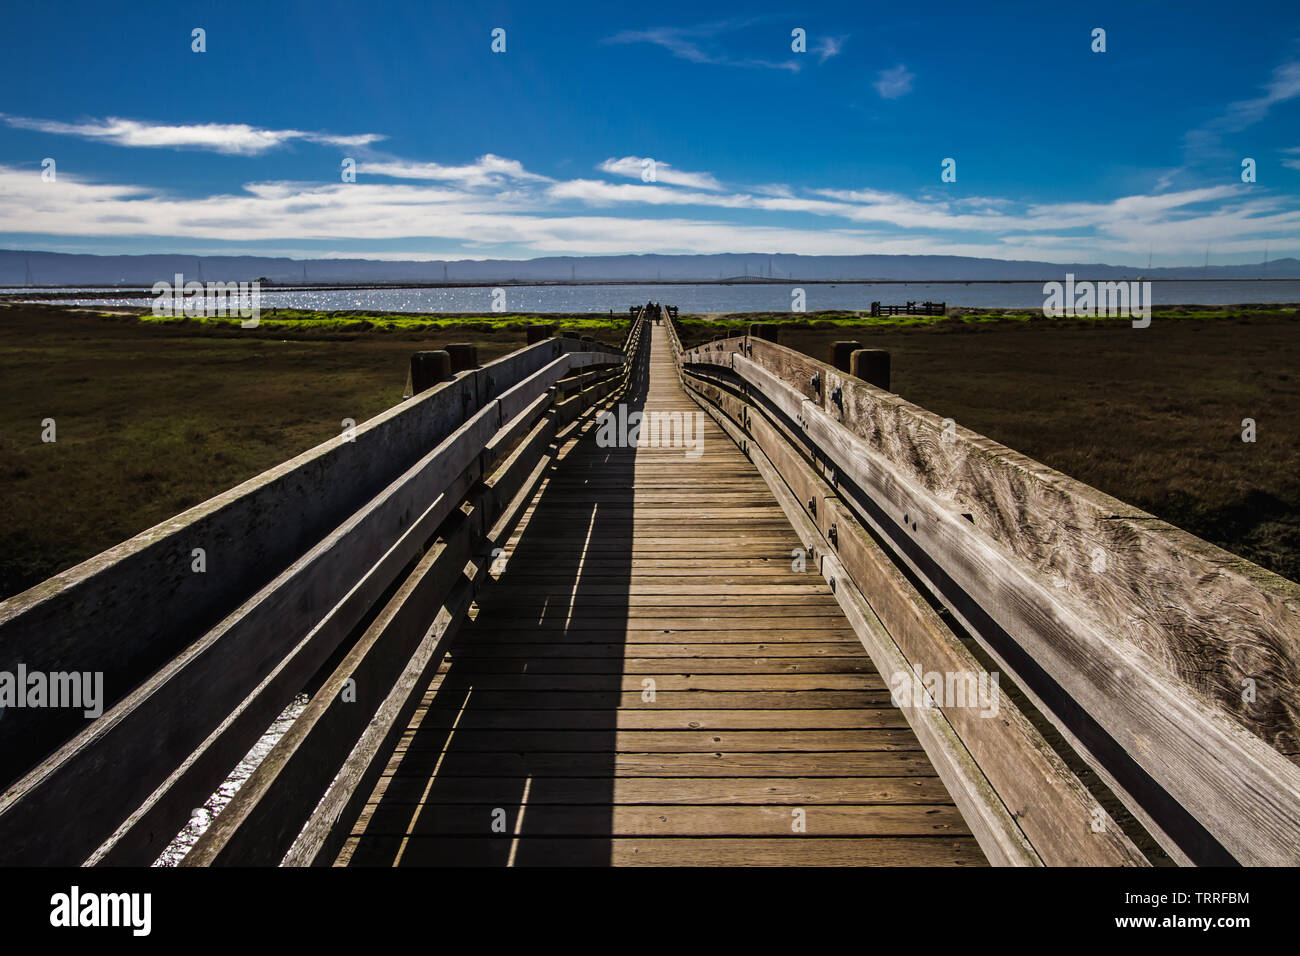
(828, 47)
(894, 82)
(538, 216)
(487, 170)
(237, 139)
(632, 166)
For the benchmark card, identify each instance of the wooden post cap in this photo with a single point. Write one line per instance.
(462, 355)
(840, 352)
(871, 365)
(428, 369)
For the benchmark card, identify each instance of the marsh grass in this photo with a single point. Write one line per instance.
(153, 418)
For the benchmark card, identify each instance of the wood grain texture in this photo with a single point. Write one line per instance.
(650, 645)
(1052, 810)
(1168, 624)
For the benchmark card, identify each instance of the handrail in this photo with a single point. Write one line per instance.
(1134, 638)
(121, 787)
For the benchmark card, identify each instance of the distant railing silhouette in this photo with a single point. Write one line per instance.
(911, 308)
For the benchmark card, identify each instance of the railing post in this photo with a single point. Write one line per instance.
(428, 369)
(870, 365)
(840, 353)
(536, 333)
(763, 330)
(463, 356)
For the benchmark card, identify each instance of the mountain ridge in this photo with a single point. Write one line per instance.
(59, 269)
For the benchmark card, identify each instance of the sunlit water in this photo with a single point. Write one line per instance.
(853, 296)
(203, 816)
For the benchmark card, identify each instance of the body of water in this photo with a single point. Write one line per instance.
(852, 296)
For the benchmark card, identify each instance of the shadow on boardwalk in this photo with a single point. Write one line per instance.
(519, 742)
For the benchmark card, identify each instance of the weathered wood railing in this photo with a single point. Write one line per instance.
(353, 547)
(1171, 667)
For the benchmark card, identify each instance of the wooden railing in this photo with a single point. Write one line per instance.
(1171, 667)
(379, 533)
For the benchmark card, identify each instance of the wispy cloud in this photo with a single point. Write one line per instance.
(1206, 142)
(699, 44)
(236, 139)
(632, 167)
(828, 46)
(487, 170)
(894, 82)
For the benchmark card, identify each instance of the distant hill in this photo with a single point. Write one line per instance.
(55, 268)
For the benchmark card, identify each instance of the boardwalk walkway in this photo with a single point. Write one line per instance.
(542, 742)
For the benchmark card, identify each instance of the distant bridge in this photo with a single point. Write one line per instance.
(845, 632)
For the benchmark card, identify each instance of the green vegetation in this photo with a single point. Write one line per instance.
(295, 320)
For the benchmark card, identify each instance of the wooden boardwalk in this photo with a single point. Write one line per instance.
(649, 682)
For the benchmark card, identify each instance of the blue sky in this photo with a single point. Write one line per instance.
(1061, 153)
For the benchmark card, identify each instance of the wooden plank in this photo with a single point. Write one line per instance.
(649, 667)
(1055, 812)
(992, 824)
(669, 820)
(800, 851)
(485, 649)
(723, 790)
(540, 702)
(410, 781)
(675, 700)
(669, 682)
(684, 741)
(689, 719)
(1238, 794)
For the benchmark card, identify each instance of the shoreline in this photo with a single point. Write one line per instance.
(85, 290)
